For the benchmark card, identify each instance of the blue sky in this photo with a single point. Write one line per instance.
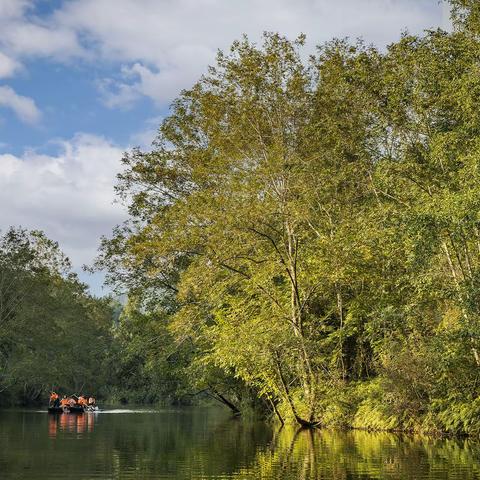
(81, 81)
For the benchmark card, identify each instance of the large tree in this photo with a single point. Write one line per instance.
(249, 197)
(311, 227)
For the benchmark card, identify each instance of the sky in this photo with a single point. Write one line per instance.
(82, 81)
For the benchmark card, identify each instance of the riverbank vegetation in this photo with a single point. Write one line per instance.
(310, 230)
(304, 236)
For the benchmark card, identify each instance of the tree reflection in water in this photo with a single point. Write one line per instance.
(208, 444)
(309, 455)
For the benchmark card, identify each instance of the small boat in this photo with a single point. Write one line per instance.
(55, 410)
(75, 409)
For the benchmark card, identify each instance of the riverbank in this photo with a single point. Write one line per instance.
(370, 406)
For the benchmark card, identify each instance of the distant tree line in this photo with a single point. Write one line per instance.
(53, 334)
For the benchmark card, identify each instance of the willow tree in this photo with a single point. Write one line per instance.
(244, 206)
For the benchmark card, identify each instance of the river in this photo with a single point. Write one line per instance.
(206, 443)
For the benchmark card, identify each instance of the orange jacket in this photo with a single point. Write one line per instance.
(82, 401)
(53, 396)
(64, 401)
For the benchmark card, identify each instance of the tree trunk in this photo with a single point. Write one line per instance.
(301, 421)
(219, 397)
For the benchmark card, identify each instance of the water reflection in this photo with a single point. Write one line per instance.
(362, 455)
(71, 423)
(209, 444)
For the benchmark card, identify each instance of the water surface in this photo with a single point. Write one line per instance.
(209, 444)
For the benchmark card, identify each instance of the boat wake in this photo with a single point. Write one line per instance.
(114, 411)
(121, 410)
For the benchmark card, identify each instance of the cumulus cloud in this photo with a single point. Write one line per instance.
(162, 46)
(23, 107)
(26, 35)
(168, 44)
(28, 39)
(68, 195)
(13, 8)
(8, 66)
(161, 85)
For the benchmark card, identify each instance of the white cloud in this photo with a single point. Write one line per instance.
(26, 35)
(168, 44)
(158, 47)
(27, 39)
(24, 107)
(118, 94)
(68, 195)
(8, 66)
(13, 8)
(160, 85)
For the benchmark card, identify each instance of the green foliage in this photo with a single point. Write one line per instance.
(150, 365)
(373, 412)
(52, 333)
(312, 230)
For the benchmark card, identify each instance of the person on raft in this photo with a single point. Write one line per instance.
(72, 401)
(54, 400)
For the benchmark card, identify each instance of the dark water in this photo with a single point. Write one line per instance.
(209, 444)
